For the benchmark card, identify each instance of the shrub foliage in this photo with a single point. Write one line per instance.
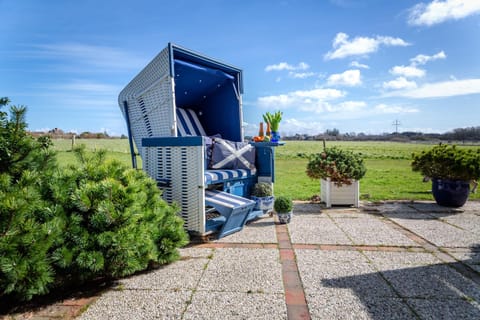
(283, 204)
(28, 225)
(65, 226)
(341, 166)
(448, 162)
(115, 221)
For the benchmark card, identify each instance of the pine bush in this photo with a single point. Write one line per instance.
(29, 227)
(61, 227)
(116, 222)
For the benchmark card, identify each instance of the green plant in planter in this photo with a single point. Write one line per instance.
(273, 119)
(283, 205)
(451, 169)
(262, 194)
(448, 162)
(262, 190)
(341, 166)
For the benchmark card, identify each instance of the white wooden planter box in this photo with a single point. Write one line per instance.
(344, 195)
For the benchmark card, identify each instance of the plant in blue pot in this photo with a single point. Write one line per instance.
(273, 119)
(451, 170)
(262, 194)
(283, 207)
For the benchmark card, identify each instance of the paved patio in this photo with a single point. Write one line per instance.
(396, 260)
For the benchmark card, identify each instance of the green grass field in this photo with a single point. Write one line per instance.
(389, 176)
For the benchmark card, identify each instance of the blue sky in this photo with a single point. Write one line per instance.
(354, 65)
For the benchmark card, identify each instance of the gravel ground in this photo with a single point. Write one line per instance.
(352, 264)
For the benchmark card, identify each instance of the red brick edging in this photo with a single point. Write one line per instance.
(294, 294)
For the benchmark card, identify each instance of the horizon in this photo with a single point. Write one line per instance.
(320, 63)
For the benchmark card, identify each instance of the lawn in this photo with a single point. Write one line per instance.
(389, 176)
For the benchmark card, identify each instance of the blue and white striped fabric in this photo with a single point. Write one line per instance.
(188, 123)
(215, 197)
(217, 176)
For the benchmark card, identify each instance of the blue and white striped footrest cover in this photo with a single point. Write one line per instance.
(218, 176)
(235, 209)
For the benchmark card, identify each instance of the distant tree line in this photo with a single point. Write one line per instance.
(464, 135)
(57, 133)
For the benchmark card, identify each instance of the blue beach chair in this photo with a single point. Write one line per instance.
(184, 114)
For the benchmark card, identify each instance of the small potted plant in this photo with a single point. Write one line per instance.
(339, 172)
(451, 170)
(283, 207)
(273, 119)
(262, 194)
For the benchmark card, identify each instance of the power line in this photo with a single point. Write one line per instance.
(396, 123)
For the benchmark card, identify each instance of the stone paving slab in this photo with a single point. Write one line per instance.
(368, 231)
(316, 230)
(466, 221)
(345, 304)
(400, 260)
(258, 231)
(138, 304)
(448, 309)
(243, 270)
(435, 281)
(318, 273)
(469, 257)
(440, 233)
(183, 274)
(352, 213)
(213, 305)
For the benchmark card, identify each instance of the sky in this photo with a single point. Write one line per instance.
(353, 65)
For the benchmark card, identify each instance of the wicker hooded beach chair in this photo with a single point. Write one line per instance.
(180, 109)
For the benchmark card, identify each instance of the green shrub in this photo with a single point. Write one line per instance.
(283, 204)
(116, 221)
(262, 189)
(341, 166)
(64, 226)
(29, 225)
(448, 162)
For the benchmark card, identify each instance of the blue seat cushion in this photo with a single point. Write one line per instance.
(220, 176)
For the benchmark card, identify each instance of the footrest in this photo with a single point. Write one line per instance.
(235, 209)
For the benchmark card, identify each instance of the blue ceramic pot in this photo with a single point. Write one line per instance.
(263, 203)
(275, 136)
(450, 193)
(284, 217)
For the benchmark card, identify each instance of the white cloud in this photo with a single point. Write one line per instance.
(90, 87)
(87, 57)
(320, 94)
(441, 89)
(293, 126)
(439, 11)
(285, 66)
(357, 64)
(423, 59)
(348, 78)
(383, 108)
(301, 75)
(348, 106)
(307, 100)
(407, 71)
(400, 83)
(359, 45)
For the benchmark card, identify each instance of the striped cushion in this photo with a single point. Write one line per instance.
(225, 199)
(218, 176)
(188, 123)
